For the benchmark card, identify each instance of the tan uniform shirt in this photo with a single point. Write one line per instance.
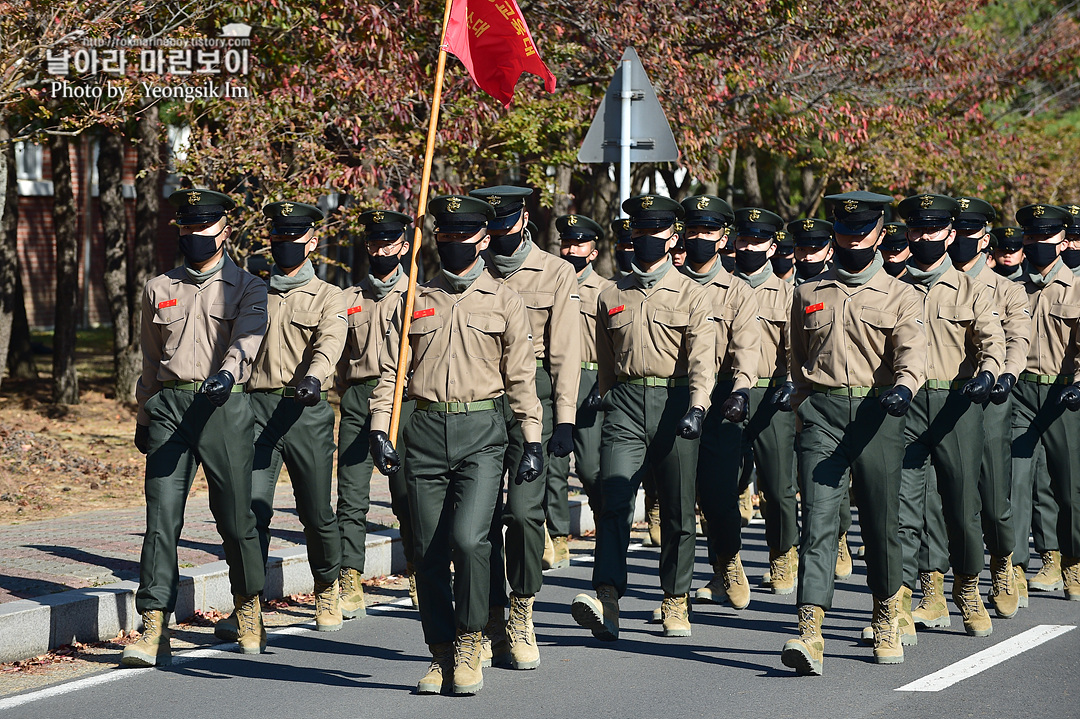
(464, 348)
(734, 313)
(304, 337)
(870, 335)
(191, 331)
(369, 322)
(1012, 308)
(589, 289)
(663, 331)
(548, 284)
(1055, 313)
(963, 332)
(774, 308)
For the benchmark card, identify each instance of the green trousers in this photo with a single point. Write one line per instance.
(517, 560)
(946, 429)
(638, 435)
(303, 439)
(719, 470)
(771, 434)
(1044, 509)
(1043, 421)
(586, 461)
(186, 431)
(453, 471)
(839, 434)
(355, 467)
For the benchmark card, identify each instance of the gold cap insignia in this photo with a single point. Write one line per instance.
(286, 208)
(1009, 232)
(892, 229)
(678, 226)
(926, 201)
(703, 203)
(781, 235)
(494, 200)
(808, 224)
(194, 197)
(625, 223)
(377, 216)
(754, 215)
(646, 202)
(964, 202)
(571, 220)
(851, 205)
(1074, 209)
(1039, 211)
(454, 204)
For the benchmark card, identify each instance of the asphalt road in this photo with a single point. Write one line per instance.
(730, 667)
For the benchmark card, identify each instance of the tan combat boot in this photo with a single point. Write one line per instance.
(599, 615)
(843, 559)
(713, 592)
(352, 602)
(1048, 578)
(547, 559)
(888, 648)
(495, 647)
(1021, 585)
(524, 654)
(746, 506)
(966, 596)
(1070, 572)
(562, 553)
(783, 570)
(153, 648)
(676, 615)
(252, 634)
(735, 584)
(1003, 591)
(807, 653)
(652, 514)
(410, 572)
(440, 675)
(327, 607)
(225, 629)
(932, 610)
(468, 676)
(905, 623)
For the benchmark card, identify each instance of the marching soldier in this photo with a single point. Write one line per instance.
(624, 247)
(202, 324)
(370, 308)
(857, 358)
(549, 287)
(1007, 249)
(733, 311)
(470, 344)
(783, 262)
(965, 352)
(657, 366)
(294, 424)
(894, 249)
(813, 247)
(1071, 254)
(1047, 396)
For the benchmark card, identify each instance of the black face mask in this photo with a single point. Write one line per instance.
(854, 260)
(382, 265)
(288, 255)
(782, 265)
(199, 248)
(506, 245)
(456, 256)
(895, 268)
(750, 261)
(579, 263)
(804, 269)
(1071, 258)
(728, 261)
(964, 249)
(927, 252)
(699, 251)
(1005, 270)
(1041, 254)
(650, 248)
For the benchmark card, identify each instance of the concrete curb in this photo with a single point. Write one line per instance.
(30, 627)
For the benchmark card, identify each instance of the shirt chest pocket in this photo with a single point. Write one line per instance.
(359, 330)
(483, 336)
(619, 326)
(304, 323)
(170, 323)
(540, 301)
(877, 327)
(423, 333)
(670, 326)
(588, 307)
(774, 315)
(222, 315)
(819, 324)
(956, 319)
(1067, 314)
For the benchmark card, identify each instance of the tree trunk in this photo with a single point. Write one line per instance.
(9, 255)
(560, 206)
(143, 265)
(597, 197)
(66, 228)
(20, 358)
(110, 167)
(733, 160)
(750, 179)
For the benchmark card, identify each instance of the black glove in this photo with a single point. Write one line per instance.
(308, 391)
(689, 427)
(383, 452)
(735, 406)
(561, 443)
(142, 437)
(1070, 397)
(897, 400)
(1000, 391)
(218, 387)
(532, 463)
(977, 389)
(782, 398)
(593, 401)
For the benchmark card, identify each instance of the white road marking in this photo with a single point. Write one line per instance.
(981, 661)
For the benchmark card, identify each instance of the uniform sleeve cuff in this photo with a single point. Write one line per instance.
(700, 399)
(380, 422)
(532, 432)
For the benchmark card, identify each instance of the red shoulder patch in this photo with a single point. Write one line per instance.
(616, 310)
(429, 312)
(815, 308)
(166, 303)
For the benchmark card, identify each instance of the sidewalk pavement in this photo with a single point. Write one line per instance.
(74, 578)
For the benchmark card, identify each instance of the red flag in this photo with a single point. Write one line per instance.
(492, 41)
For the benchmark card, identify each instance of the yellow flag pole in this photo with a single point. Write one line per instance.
(418, 232)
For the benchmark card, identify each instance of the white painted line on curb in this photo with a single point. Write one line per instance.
(981, 661)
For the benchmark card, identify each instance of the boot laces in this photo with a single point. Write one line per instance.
(883, 623)
(469, 648)
(969, 598)
(843, 548)
(672, 607)
(348, 581)
(731, 571)
(1000, 572)
(807, 623)
(150, 623)
(245, 616)
(324, 599)
(1049, 561)
(780, 566)
(518, 624)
